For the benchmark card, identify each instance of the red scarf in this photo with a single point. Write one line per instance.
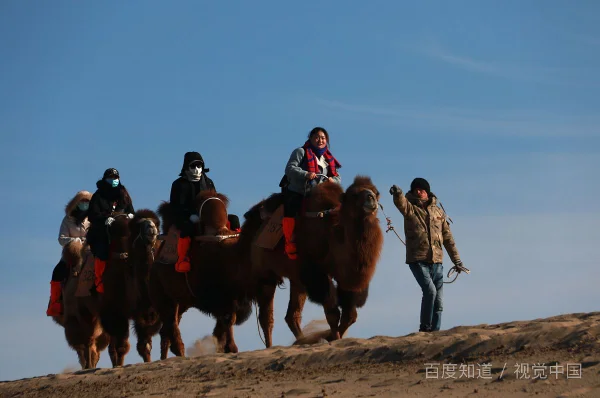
(312, 164)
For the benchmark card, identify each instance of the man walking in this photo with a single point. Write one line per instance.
(426, 230)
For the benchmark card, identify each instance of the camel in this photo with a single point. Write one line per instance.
(215, 285)
(80, 317)
(123, 298)
(338, 240)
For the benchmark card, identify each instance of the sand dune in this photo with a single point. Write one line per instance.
(552, 357)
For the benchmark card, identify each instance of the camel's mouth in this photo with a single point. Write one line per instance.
(370, 203)
(149, 231)
(369, 208)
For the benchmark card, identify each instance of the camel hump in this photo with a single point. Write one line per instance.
(72, 253)
(324, 196)
(165, 211)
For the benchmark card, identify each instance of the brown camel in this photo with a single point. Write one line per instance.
(123, 299)
(343, 245)
(216, 284)
(80, 317)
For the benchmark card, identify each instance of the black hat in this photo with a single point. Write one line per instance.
(191, 157)
(420, 183)
(111, 173)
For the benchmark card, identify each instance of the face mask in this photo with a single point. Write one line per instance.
(196, 171)
(113, 182)
(83, 206)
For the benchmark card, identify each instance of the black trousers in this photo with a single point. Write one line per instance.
(186, 229)
(60, 272)
(292, 203)
(234, 221)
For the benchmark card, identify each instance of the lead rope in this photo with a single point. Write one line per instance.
(258, 324)
(390, 227)
(455, 269)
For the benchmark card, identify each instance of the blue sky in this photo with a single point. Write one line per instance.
(495, 103)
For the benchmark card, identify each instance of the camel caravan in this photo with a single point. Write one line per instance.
(120, 266)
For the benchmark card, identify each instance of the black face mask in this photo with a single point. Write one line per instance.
(79, 215)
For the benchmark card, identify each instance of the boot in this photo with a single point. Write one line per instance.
(99, 267)
(55, 307)
(183, 259)
(288, 233)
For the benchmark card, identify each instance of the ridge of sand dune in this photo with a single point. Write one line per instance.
(380, 365)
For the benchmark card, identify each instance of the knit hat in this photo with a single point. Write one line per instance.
(111, 173)
(420, 183)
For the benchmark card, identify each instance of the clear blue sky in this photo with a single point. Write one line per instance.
(495, 103)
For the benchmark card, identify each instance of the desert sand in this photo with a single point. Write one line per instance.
(551, 357)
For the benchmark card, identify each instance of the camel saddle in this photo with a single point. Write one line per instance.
(166, 250)
(271, 230)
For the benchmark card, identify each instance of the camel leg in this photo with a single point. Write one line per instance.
(170, 329)
(332, 312)
(101, 343)
(81, 356)
(223, 333)
(165, 342)
(230, 346)
(349, 301)
(144, 340)
(349, 316)
(177, 346)
(266, 297)
(120, 348)
(220, 334)
(87, 356)
(95, 357)
(170, 337)
(165, 338)
(112, 352)
(293, 318)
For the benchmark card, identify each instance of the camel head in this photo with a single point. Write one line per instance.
(212, 210)
(361, 198)
(145, 226)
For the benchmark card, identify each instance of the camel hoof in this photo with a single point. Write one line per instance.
(333, 336)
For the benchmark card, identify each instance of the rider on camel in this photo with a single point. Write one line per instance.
(110, 197)
(305, 168)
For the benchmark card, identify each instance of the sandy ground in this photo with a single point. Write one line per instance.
(552, 357)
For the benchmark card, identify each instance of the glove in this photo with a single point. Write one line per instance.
(194, 218)
(130, 216)
(395, 190)
(460, 267)
(109, 221)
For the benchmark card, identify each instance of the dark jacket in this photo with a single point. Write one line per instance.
(183, 194)
(104, 202)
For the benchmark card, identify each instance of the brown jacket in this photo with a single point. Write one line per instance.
(426, 230)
